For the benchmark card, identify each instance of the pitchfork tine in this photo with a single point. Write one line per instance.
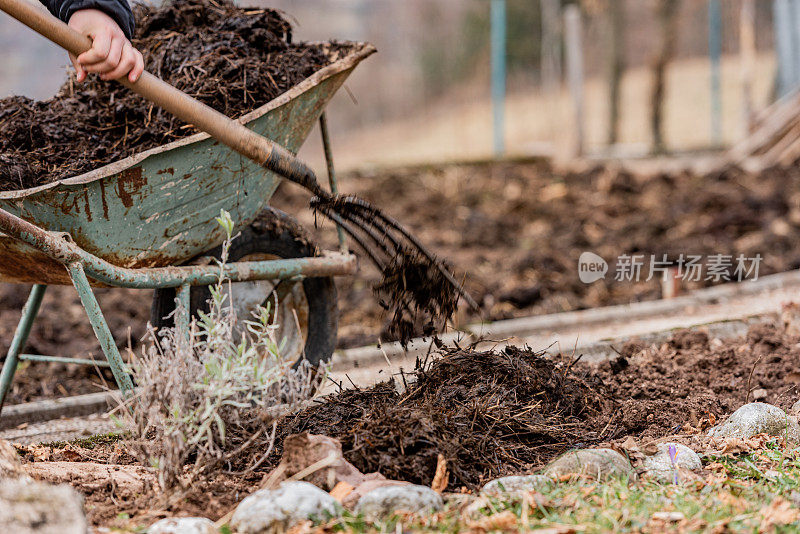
(352, 233)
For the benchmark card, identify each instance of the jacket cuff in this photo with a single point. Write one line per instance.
(119, 10)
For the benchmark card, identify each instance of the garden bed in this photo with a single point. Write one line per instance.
(488, 414)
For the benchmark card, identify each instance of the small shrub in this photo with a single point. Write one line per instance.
(207, 395)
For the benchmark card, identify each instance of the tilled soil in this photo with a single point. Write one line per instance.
(232, 59)
(692, 381)
(518, 230)
(490, 414)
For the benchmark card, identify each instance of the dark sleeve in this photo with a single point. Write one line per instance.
(119, 10)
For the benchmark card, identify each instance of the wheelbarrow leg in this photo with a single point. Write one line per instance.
(29, 312)
(183, 313)
(100, 327)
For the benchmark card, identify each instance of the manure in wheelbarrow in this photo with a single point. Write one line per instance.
(232, 59)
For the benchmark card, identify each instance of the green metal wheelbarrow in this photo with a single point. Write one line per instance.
(149, 220)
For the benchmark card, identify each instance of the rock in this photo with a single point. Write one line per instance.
(513, 484)
(759, 394)
(128, 480)
(303, 450)
(28, 507)
(758, 418)
(795, 409)
(597, 463)
(10, 463)
(365, 487)
(183, 525)
(272, 511)
(386, 500)
(660, 466)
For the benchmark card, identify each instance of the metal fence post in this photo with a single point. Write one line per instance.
(715, 52)
(498, 37)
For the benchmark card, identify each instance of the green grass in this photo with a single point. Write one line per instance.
(91, 442)
(752, 492)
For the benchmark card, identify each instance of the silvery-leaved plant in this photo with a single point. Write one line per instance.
(215, 394)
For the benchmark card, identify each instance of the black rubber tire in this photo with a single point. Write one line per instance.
(273, 232)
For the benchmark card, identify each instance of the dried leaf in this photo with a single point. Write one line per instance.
(505, 521)
(441, 477)
(341, 490)
(779, 512)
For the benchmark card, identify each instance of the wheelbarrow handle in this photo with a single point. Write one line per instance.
(232, 133)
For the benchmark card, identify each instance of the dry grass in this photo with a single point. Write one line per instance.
(204, 397)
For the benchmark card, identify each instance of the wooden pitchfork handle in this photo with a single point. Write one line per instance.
(227, 131)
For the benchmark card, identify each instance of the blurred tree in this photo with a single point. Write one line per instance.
(667, 15)
(442, 64)
(616, 64)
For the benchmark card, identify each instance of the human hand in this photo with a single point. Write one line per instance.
(112, 55)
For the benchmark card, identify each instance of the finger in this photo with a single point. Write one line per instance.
(112, 60)
(126, 62)
(138, 68)
(101, 44)
(80, 74)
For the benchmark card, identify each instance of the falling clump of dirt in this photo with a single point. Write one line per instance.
(416, 288)
(230, 58)
(488, 413)
(414, 291)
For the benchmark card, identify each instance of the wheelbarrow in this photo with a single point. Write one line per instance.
(148, 222)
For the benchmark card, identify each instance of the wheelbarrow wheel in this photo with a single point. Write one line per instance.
(307, 317)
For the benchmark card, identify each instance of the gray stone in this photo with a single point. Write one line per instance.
(660, 466)
(272, 511)
(597, 463)
(10, 463)
(183, 525)
(795, 409)
(28, 507)
(513, 484)
(758, 418)
(386, 500)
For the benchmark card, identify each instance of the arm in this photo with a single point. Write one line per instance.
(109, 23)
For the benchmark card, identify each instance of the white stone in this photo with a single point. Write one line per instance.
(514, 484)
(183, 525)
(386, 500)
(28, 507)
(597, 463)
(273, 511)
(660, 466)
(758, 418)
